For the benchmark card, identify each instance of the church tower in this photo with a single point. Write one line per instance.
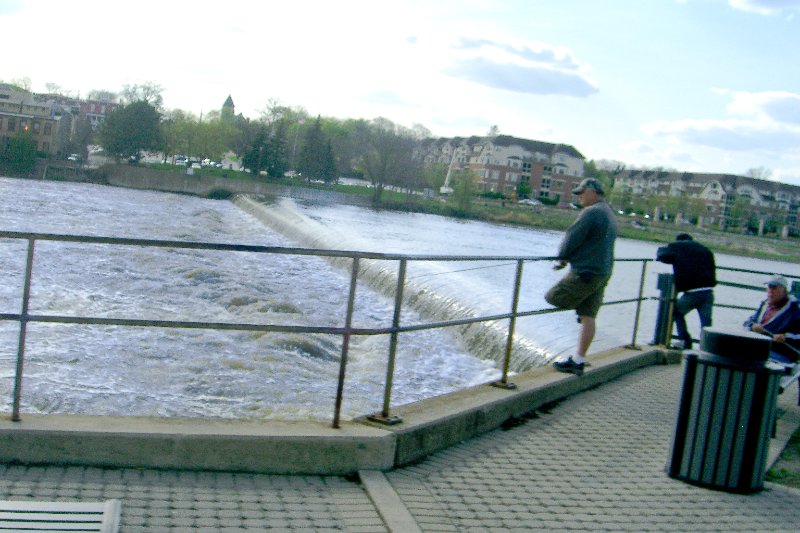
(228, 109)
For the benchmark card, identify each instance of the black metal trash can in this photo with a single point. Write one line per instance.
(726, 413)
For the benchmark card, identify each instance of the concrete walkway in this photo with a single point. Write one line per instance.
(593, 462)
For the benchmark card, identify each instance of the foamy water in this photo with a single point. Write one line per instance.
(145, 371)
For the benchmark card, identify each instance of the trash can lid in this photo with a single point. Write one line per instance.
(735, 343)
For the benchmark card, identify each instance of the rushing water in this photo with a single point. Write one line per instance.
(147, 371)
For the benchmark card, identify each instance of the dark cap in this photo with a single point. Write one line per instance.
(589, 183)
(683, 237)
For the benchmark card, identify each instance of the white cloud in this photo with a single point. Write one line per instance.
(524, 67)
(767, 7)
(770, 122)
(776, 106)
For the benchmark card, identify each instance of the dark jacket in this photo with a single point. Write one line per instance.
(692, 263)
(589, 242)
(786, 321)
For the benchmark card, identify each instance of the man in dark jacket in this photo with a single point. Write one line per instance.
(779, 317)
(695, 277)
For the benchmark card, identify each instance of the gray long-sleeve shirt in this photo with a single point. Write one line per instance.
(588, 245)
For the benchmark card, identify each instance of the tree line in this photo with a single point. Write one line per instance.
(283, 139)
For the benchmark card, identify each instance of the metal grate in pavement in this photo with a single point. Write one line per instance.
(52, 517)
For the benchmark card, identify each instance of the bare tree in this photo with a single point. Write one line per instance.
(390, 158)
(761, 173)
(148, 92)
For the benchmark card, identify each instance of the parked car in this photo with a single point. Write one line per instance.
(529, 201)
(74, 157)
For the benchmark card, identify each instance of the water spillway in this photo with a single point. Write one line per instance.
(486, 340)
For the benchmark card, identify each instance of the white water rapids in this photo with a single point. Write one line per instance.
(102, 370)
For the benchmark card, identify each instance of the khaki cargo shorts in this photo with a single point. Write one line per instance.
(572, 292)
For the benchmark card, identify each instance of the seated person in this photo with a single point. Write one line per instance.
(779, 317)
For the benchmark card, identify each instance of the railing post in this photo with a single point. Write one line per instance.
(503, 383)
(384, 417)
(23, 328)
(663, 330)
(632, 345)
(348, 324)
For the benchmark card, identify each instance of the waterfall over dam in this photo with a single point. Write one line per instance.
(485, 340)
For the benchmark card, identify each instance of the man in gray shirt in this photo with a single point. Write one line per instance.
(588, 248)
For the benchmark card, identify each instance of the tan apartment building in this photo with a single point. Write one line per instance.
(725, 200)
(22, 113)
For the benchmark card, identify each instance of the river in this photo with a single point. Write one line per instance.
(102, 370)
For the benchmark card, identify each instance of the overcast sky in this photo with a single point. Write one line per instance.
(695, 85)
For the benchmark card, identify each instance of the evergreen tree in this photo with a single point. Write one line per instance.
(20, 154)
(328, 164)
(312, 158)
(278, 150)
(255, 158)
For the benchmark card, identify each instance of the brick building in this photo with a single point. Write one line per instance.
(503, 162)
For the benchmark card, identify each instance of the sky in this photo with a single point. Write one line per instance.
(689, 85)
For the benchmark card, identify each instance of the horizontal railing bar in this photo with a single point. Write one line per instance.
(97, 321)
(730, 306)
(741, 285)
(238, 326)
(158, 243)
(746, 271)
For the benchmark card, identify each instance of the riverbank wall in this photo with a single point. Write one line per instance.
(138, 177)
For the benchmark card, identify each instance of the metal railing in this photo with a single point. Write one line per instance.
(24, 317)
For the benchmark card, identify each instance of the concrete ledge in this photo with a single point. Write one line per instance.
(194, 444)
(276, 447)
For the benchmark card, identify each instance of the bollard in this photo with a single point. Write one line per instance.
(663, 330)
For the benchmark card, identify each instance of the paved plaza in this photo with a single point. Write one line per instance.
(592, 462)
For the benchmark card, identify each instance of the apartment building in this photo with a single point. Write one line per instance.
(22, 113)
(503, 162)
(726, 199)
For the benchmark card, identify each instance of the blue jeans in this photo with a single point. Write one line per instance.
(703, 301)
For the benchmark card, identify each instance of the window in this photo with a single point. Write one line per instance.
(544, 194)
(48, 128)
(12, 124)
(36, 127)
(558, 184)
(545, 183)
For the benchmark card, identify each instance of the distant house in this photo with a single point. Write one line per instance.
(95, 111)
(503, 162)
